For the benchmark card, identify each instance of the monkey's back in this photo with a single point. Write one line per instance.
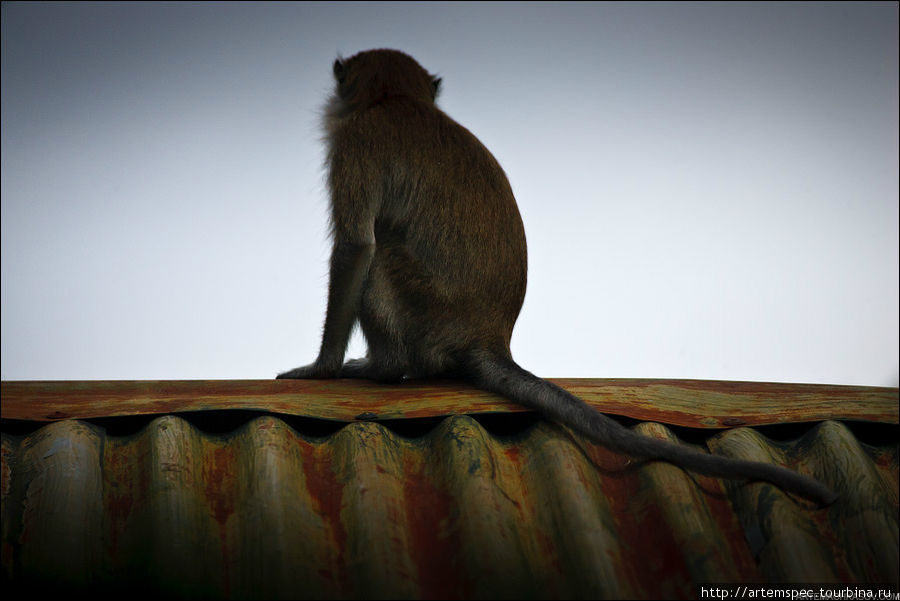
(449, 241)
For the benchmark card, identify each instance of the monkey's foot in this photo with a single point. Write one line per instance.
(314, 371)
(366, 369)
(356, 368)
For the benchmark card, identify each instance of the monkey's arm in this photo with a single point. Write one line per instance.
(349, 266)
(354, 208)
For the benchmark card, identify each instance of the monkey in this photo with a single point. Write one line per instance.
(429, 258)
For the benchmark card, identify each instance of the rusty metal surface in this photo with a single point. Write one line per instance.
(691, 403)
(460, 511)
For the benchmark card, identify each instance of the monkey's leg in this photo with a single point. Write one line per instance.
(382, 322)
(385, 360)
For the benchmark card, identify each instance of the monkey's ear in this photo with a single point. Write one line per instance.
(435, 87)
(340, 70)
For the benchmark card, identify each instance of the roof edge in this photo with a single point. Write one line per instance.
(690, 403)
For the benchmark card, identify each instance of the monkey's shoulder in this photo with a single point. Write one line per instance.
(412, 132)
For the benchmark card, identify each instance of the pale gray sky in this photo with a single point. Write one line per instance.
(709, 190)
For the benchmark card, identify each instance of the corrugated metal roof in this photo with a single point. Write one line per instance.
(468, 508)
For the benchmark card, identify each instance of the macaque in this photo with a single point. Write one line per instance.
(429, 257)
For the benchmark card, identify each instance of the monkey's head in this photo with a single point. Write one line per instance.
(370, 76)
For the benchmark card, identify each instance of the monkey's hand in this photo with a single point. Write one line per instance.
(314, 371)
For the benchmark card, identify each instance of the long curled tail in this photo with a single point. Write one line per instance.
(503, 376)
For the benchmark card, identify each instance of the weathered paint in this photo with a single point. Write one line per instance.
(691, 403)
(269, 512)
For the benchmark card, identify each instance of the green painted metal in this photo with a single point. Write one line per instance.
(265, 511)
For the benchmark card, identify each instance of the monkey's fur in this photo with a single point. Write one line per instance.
(429, 255)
